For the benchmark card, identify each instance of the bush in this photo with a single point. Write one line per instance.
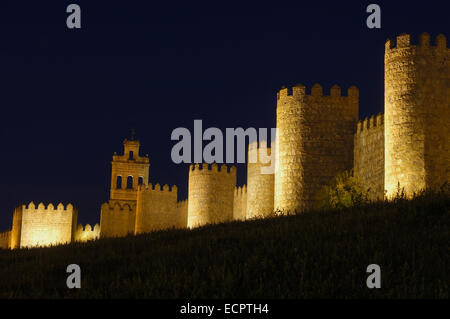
(345, 190)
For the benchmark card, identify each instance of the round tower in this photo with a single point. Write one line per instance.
(417, 110)
(288, 178)
(260, 181)
(211, 194)
(315, 138)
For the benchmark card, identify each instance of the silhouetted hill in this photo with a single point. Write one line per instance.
(312, 255)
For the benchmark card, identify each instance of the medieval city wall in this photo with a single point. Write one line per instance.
(318, 138)
(240, 203)
(315, 142)
(5, 242)
(44, 226)
(369, 156)
(86, 233)
(182, 207)
(157, 208)
(211, 194)
(117, 219)
(260, 181)
(16, 228)
(417, 108)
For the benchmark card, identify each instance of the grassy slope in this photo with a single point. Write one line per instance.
(319, 254)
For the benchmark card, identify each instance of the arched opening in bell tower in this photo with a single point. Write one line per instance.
(130, 182)
(119, 182)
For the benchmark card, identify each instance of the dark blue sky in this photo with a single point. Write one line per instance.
(69, 97)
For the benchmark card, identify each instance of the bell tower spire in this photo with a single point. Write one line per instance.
(129, 171)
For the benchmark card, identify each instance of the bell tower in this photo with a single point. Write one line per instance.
(128, 171)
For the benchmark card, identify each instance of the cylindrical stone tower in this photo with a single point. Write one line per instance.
(417, 111)
(314, 142)
(260, 181)
(288, 179)
(211, 193)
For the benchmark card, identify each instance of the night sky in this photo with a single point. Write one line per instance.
(68, 98)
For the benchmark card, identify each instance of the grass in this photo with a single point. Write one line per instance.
(310, 255)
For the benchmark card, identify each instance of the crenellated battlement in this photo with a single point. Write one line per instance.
(259, 193)
(157, 209)
(158, 188)
(211, 193)
(5, 234)
(43, 225)
(403, 42)
(117, 218)
(214, 168)
(240, 191)
(258, 145)
(255, 145)
(182, 204)
(87, 232)
(375, 121)
(88, 228)
(257, 151)
(116, 206)
(240, 202)
(299, 91)
(368, 155)
(31, 207)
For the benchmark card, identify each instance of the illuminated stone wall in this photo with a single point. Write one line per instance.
(157, 209)
(84, 234)
(182, 207)
(369, 155)
(43, 226)
(417, 109)
(5, 240)
(16, 228)
(260, 184)
(117, 218)
(315, 142)
(318, 137)
(240, 203)
(211, 194)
